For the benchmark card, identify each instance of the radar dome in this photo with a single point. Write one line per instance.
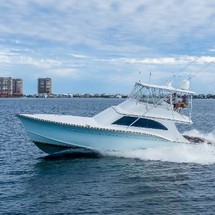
(185, 84)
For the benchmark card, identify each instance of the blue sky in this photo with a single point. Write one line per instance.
(95, 46)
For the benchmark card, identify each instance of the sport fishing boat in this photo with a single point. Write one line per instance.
(146, 119)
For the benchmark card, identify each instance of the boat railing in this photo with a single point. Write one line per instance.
(172, 99)
(182, 119)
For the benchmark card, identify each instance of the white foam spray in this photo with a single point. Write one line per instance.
(203, 153)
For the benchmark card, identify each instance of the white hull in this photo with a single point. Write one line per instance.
(145, 120)
(55, 137)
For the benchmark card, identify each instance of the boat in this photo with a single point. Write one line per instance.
(146, 119)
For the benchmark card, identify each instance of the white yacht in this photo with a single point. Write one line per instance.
(145, 119)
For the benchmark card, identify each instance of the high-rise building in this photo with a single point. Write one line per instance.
(5, 86)
(17, 87)
(45, 86)
(10, 87)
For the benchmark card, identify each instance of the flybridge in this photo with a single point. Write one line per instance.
(147, 92)
(167, 87)
(178, 101)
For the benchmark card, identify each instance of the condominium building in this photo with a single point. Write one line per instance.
(5, 86)
(45, 86)
(10, 87)
(17, 87)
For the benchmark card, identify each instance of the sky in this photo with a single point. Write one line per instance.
(97, 46)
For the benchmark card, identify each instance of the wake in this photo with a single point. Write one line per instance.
(202, 153)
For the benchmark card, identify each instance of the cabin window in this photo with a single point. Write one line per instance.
(125, 120)
(143, 123)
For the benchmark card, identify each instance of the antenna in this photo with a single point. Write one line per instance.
(139, 76)
(150, 75)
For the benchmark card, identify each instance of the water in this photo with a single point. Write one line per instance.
(177, 180)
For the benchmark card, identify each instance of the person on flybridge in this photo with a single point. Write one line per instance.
(181, 101)
(175, 101)
(179, 104)
(184, 101)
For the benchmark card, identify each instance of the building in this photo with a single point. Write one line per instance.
(45, 86)
(10, 87)
(5, 87)
(17, 87)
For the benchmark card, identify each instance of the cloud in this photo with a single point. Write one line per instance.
(107, 41)
(8, 56)
(79, 56)
(211, 50)
(112, 23)
(161, 60)
(63, 73)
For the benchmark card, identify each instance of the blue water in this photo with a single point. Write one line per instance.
(159, 181)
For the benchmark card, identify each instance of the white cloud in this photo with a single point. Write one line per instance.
(8, 56)
(63, 73)
(102, 36)
(79, 56)
(160, 61)
(119, 23)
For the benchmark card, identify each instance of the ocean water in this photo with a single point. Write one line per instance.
(176, 180)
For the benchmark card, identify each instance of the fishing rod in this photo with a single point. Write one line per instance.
(201, 70)
(193, 61)
(196, 73)
(187, 65)
(186, 82)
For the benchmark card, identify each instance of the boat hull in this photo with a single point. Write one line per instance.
(52, 148)
(52, 137)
